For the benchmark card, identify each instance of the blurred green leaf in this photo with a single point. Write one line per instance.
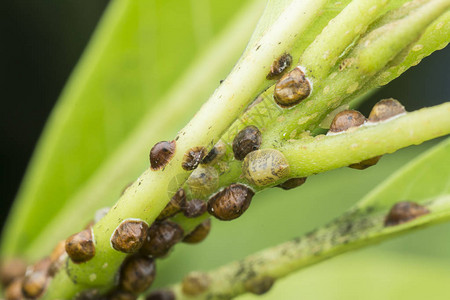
(118, 88)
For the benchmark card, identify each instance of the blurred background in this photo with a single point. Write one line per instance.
(42, 42)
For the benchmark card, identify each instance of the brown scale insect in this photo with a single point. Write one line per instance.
(403, 212)
(195, 283)
(259, 286)
(194, 208)
(247, 140)
(129, 236)
(199, 233)
(292, 88)
(386, 109)
(292, 183)
(279, 66)
(57, 257)
(264, 167)
(175, 205)
(80, 246)
(161, 237)
(193, 157)
(161, 295)
(231, 202)
(11, 269)
(137, 273)
(347, 119)
(14, 290)
(365, 163)
(161, 154)
(36, 278)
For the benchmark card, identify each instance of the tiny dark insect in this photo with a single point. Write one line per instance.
(161, 237)
(194, 208)
(199, 233)
(195, 283)
(292, 183)
(193, 157)
(231, 202)
(137, 273)
(215, 153)
(161, 295)
(80, 246)
(347, 119)
(129, 236)
(386, 109)
(292, 88)
(365, 163)
(247, 140)
(212, 154)
(279, 66)
(176, 203)
(259, 286)
(403, 212)
(161, 154)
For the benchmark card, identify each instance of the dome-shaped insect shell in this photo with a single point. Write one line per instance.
(347, 119)
(129, 236)
(386, 109)
(231, 202)
(81, 247)
(265, 167)
(137, 273)
(247, 140)
(292, 88)
(161, 154)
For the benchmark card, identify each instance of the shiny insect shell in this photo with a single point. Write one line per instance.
(265, 167)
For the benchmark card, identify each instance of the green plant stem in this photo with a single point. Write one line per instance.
(355, 230)
(375, 50)
(148, 195)
(361, 226)
(132, 156)
(340, 32)
(323, 153)
(313, 155)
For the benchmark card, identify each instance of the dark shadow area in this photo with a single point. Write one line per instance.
(41, 43)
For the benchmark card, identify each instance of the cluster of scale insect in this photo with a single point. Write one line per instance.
(144, 244)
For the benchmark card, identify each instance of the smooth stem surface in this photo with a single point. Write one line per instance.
(323, 153)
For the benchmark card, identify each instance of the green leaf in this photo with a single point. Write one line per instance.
(115, 106)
